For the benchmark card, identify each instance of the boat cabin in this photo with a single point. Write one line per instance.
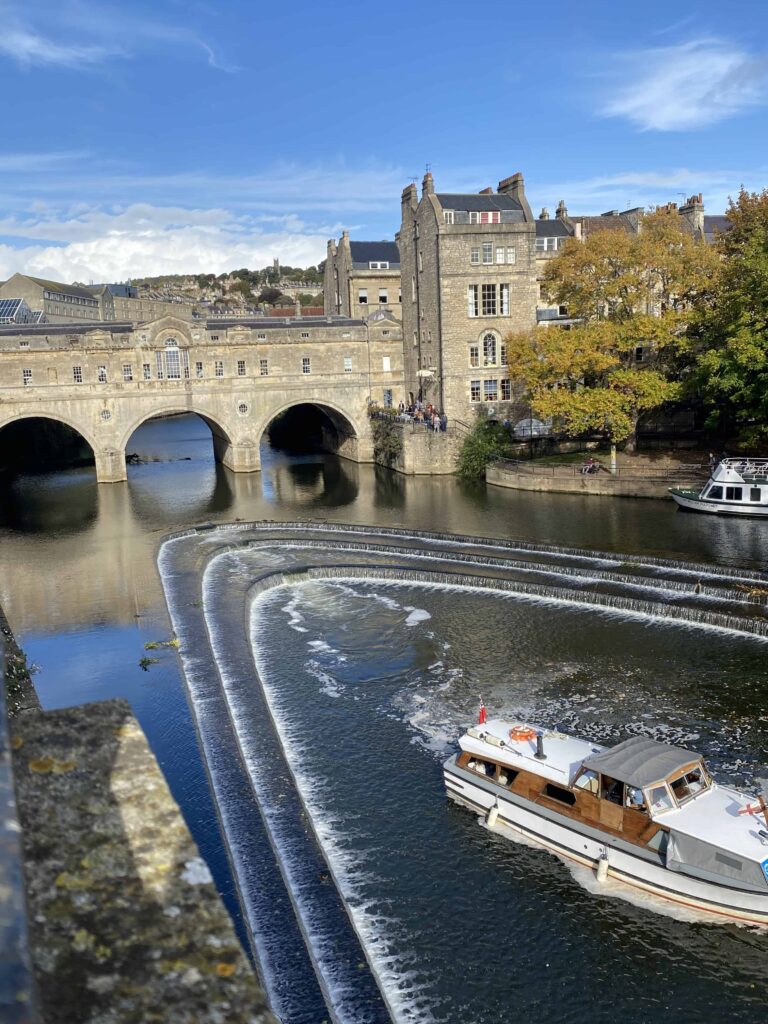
(625, 789)
(739, 480)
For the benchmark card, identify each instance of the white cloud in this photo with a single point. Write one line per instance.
(85, 35)
(688, 86)
(145, 240)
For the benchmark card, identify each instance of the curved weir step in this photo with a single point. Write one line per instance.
(302, 929)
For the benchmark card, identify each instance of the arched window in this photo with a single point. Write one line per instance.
(489, 349)
(172, 360)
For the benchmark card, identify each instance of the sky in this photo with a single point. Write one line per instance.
(178, 136)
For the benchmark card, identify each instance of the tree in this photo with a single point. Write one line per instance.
(588, 379)
(732, 360)
(636, 296)
(270, 295)
(486, 441)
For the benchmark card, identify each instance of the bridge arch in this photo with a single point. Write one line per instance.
(348, 431)
(56, 417)
(237, 450)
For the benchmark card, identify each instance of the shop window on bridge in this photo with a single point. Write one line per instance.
(146, 371)
(218, 368)
(240, 367)
(127, 373)
(306, 365)
(172, 361)
(77, 374)
(26, 376)
(199, 371)
(347, 364)
(263, 367)
(102, 375)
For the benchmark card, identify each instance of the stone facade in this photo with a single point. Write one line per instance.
(361, 277)
(61, 303)
(468, 265)
(128, 303)
(105, 380)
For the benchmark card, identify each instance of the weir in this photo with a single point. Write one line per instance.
(214, 577)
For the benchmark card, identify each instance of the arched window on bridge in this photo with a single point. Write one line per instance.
(171, 361)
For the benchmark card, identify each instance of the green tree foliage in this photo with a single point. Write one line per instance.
(630, 292)
(732, 360)
(587, 378)
(387, 441)
(486, 441)
(270, 295)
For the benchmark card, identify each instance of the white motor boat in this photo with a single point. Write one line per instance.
(644, 813)
(737, 487)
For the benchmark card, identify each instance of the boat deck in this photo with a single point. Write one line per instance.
(564, 754)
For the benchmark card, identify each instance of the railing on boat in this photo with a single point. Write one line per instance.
(748, 469)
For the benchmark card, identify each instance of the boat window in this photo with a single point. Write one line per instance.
(715, 492)
(754, 494)
(733, 493)
(563, 795)
(680, 788)
(635, 799)
(482, 767)
(611, 790)
(659, 799)
(697, 780)
(588, 780)
(507, 775)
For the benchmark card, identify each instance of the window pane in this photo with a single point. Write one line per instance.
(474, 355)
(263, 368)
(489, 350)
(511, 256)
(386, 364)
(472, 309)
(506, 391)
(474, 254)
(500, 254)
(490, 390)
(474, 391)
(489, 300)
(173, 363)
(504, 299)
(487, 252)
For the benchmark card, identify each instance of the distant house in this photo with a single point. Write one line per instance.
(361, 277)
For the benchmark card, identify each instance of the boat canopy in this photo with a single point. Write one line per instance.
(639, 761)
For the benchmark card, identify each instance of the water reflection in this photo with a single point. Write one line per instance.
(58, 503)
(318, 479)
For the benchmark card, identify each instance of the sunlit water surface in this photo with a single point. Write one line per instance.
(369, 682)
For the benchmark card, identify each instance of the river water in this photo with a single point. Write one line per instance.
(459, 924)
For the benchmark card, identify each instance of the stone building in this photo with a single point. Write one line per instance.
(468, 265)
(361, 277)
(105, 379)
(59, 303)
(126, 302)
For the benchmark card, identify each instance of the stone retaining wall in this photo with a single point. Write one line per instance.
(601, 484)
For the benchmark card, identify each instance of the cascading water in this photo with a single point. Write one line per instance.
(362, 641)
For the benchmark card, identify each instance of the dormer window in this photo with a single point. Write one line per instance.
(378, 265)
(448, 216)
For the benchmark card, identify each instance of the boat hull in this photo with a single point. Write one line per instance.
(691, 501)
(643, 870)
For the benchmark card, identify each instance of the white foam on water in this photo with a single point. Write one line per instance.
(385, 949)
(417, 615)
(321, 646)
(295, 616)
(330, 687)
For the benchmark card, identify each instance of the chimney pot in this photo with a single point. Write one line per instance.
(544, 215)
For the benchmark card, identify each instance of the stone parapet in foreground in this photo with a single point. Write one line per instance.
(125, 923)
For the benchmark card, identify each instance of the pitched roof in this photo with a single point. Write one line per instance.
(64, 289)
(478, 202)
(377, 252)
(639, 761)
(715, 223)
(552, 229)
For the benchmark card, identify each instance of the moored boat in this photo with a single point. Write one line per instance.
(737, 487)
(644, 813)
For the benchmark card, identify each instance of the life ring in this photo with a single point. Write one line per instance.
(522, 732)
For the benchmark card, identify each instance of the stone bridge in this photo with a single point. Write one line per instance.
(104, 380)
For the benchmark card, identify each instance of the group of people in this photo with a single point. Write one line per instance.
(423, 413)
(590, 466)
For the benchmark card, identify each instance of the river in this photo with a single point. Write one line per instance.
(465, 926)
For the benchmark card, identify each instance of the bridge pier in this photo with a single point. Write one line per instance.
(240, 458)
(110, 466)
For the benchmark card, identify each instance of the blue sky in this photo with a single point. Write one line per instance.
(182, 136)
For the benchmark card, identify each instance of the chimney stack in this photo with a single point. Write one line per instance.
(544, 215)
(562, 210)
(428, 184)
(515, 186)
(486, 191)
(692, 214)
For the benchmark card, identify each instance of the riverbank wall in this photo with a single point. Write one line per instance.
(107, 910)
(637, 479)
